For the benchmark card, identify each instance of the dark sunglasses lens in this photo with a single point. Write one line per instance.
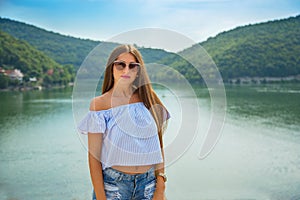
(120, 65)
(133, 65)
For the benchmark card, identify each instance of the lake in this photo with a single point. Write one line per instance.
(256, 157)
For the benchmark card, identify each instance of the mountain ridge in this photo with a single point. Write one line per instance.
(255, 50)
(73, 51)
(265, 49)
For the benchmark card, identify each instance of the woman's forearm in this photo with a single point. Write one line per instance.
(97, 177)
(160, 183)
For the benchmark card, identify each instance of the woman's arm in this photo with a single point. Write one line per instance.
(94, 146)
(159, 193)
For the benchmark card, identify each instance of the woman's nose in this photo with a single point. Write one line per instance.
(126, 69)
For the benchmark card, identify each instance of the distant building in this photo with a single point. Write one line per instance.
(14, 74)
(50, 72)
(2, 71)
(33, 79)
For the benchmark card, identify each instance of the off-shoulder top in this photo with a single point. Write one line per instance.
(129, 135)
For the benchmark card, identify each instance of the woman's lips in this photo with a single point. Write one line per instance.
(125, 76)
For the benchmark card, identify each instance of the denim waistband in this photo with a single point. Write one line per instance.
(118, 175)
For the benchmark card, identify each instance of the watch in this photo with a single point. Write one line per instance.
(163, 176)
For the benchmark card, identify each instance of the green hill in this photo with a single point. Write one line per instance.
(270, 49)
(18, 54)
(62, 49)
(265, 49)
(70, 50)
(65, 49)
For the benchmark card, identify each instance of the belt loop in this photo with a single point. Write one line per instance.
(120, 177)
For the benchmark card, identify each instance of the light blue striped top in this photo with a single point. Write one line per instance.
(129, 135)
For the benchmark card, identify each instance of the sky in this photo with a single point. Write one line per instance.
(103, 19)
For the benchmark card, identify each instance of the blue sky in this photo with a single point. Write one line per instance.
(103, 19)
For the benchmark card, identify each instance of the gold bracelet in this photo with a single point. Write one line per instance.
(163, 176)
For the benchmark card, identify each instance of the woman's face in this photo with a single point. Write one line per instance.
(125, 75)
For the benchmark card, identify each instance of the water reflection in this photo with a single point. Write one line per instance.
(257, 157)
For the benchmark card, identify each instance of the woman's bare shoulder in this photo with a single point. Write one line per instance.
(100, 102)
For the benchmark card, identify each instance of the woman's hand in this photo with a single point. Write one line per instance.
(159, 193)
(159, 196)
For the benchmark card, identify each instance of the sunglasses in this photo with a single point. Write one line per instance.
(120, 65)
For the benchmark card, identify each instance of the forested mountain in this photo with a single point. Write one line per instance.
(62, 49)
(17, 54)
(270, 49)
(266, 49)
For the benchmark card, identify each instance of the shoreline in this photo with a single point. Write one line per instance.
(34, 88)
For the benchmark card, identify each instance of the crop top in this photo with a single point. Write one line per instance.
(129, 135)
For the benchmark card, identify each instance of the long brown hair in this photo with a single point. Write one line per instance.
(142, 84)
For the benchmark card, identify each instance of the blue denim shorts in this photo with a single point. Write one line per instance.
(122, 186)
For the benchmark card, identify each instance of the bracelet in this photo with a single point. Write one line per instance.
(163, 176)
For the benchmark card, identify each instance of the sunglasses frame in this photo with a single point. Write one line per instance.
(133, 66)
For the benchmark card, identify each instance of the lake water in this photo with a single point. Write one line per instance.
(256, 157)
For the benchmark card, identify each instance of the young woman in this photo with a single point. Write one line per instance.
(125, 126)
